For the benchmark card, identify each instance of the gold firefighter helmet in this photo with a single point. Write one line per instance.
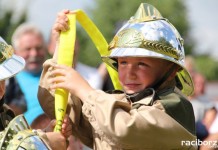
(148, 34)
(19, 136)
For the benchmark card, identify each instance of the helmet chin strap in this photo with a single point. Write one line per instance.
(159, 82)
(148, 91)
(139, 95)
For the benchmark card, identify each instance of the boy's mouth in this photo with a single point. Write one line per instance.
(132, 85)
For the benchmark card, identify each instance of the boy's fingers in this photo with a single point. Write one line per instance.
(60, 26)
(53, 122)
(66, 126)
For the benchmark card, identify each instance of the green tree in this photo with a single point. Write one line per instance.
(7, 25)
(207, 66)
(108, 15)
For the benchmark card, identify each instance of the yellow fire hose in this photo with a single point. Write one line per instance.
(65, 56)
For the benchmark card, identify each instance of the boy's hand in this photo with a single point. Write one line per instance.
(61, 24)
(59, 140)
(67, 78)
(56, 140)
(66, 126)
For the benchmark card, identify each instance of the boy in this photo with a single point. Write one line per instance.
(15, 133)
(152, 111)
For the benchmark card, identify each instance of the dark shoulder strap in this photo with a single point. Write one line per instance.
(179, 108)
(14, 94)
(6, 115)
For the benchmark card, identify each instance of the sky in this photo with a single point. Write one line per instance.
(204, 25)
(43, 13)
(201, 14)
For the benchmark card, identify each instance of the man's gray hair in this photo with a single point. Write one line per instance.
(24, 29)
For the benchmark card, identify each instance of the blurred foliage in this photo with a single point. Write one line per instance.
(110, 15)
(7, 25)
(207, 66)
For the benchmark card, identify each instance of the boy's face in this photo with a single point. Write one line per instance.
(2, 89)
(136, 74)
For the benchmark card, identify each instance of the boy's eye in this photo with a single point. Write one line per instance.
(123, 62)
(142, 64)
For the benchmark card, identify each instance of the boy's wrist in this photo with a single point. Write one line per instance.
(84, 93)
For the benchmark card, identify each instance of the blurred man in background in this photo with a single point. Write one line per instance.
(28, 43)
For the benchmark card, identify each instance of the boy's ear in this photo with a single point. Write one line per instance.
(175, 68)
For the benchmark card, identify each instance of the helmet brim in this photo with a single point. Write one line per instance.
(11, 67)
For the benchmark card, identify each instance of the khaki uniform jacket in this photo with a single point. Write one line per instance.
(105, 121)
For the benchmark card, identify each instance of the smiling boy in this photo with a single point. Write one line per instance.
(152, 111)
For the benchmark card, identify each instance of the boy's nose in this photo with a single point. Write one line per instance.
(131, 72)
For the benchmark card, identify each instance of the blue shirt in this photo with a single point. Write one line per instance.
(29, 85)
